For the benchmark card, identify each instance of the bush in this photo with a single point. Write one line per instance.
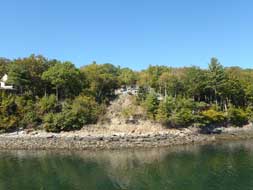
(163, 113)
(63, 121)
(8, 123)
(48, 104)
(213, 117)
(28, 116)
(51, 122)
(30, 119)
(182, 118)
(177, 112)
(249, 112)
(8, 113)
(8, 106)
(83, 110)
(86, 109)
(237, 116)
(151, 104)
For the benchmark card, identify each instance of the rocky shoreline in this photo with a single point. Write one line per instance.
(39, 140)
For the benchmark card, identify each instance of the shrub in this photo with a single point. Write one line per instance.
(163, 113)
(83, 110)
(30, 119)
(182, 118)
(8, 113)
(51, 122)
(27, 112)
(8, 106)
(177, 112)
(48, 104)
(151, 104)
(249, 112)
(213, 117)
(237, 116)
(8, 123)
(86, 109)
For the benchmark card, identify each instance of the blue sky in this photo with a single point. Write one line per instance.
(129, 33)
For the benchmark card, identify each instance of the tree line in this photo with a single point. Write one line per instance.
(215, 96)
(57, 96)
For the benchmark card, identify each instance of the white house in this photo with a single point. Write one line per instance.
(3, 81)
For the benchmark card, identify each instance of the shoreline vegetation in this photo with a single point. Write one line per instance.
(53, 104)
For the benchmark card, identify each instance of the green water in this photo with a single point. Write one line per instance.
(227, 166)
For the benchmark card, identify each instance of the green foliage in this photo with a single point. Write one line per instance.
(196, 83)
(8, 123)
(8, 105)
(127, 77)
(213, 117)
(27, 113)
(178, 112)
(30, 119)
(65, 79)
(249, 93)
(25, 74)
(19, 76)
(62, 97)
(48, 104)
(4, 63)
(151, 104)
(86, 109)
(249, 111)
(83, 110)
(237, 116)
(8, 113)
(102, 81)
(163, 113)
(185, 112)
(52, 122)
(37, 79)
(182, 118)
(217, 77)
(142, 93)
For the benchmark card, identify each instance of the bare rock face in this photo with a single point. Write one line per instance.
(123, 110)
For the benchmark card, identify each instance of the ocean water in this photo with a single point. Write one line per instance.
(220, 166)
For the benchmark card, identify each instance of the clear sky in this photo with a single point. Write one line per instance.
(129, 33)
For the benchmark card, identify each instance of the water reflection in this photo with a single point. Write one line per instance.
(218, 166)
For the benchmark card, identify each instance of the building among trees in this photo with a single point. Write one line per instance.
(3, 83)
(131, 89)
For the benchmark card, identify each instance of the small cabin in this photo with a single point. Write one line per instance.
(3, 85)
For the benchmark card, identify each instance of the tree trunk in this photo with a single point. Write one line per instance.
(215, 97)
(225, 107)
(165, 93)
(21, 90)
(57, 94)
(45, 92)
